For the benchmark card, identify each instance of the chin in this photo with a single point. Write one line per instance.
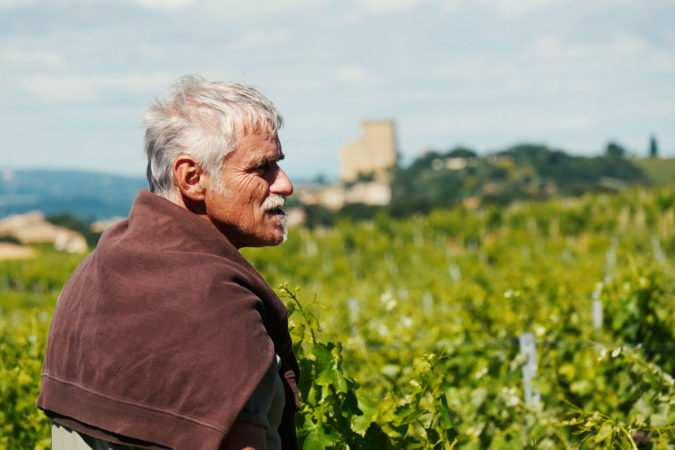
(279, 239)
(283, 228)
(271, 241)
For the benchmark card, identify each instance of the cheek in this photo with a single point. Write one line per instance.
(258, 192)
(252, 188)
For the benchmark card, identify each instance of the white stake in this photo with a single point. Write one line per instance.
(597, 314)
(659, 254)
(528, 347)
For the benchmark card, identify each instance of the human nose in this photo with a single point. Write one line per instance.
(282, 184)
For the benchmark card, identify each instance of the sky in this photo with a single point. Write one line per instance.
(76, 76)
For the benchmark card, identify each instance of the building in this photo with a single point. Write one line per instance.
(336, 196)
(373, 153)
(365, 171)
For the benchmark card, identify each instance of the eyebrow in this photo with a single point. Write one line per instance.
(269, 159)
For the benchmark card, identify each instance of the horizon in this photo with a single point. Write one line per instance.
(313, 177)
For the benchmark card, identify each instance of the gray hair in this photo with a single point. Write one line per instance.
(201, 119)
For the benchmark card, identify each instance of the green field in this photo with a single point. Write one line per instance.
(408, 330)
(659, 171)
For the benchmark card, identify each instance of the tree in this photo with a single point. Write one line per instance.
(615, 150)
(462, 152)
(653, 148)
(72, 222)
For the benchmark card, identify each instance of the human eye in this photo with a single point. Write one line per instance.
(264, 167)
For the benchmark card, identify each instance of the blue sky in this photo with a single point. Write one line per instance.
(77, 75)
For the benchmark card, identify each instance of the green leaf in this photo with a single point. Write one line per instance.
(375, 438)
(368, 407)
(604, 434)
(445, 418)
(328, 371)
(314, 440)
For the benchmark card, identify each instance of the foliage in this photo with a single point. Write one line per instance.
(23, 335)
(71, 222)
(660, 171)
(9, 239)
(653, 147)
(458, 286)
(332, 414)
(522, 172)
(417, 343)
(614, 150)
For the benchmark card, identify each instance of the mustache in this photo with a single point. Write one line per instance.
(274, 201)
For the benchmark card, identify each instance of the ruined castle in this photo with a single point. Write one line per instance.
(373, 153)
(365, 170)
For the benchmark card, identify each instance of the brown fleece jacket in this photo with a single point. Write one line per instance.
(162, 334)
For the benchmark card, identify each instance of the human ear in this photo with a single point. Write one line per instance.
(190, 178)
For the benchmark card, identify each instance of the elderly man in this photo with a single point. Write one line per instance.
(165, 336)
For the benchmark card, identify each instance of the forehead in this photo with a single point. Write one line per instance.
(256, 144)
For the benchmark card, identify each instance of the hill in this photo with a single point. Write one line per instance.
(435, 179)
(88, 195)
(439, 179)
(525, 171)
(660, 171)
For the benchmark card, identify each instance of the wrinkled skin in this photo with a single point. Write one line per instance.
(248, 212)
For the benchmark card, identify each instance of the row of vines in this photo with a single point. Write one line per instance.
(407, 331)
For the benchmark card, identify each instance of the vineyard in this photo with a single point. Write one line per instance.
(537, 325)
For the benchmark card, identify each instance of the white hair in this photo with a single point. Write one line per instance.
(201, 119)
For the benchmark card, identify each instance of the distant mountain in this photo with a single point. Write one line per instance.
(88, 195)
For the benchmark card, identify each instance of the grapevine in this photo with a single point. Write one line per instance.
(407, 331)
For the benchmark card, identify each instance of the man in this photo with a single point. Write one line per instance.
(165, 336)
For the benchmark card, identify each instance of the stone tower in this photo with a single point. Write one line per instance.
(374, 152)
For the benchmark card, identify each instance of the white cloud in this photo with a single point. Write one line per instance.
(507, 120)
(261, 40)
(19, 59)
(9, 4)
(650, 107)
(354, 74)
(237, 10)
(389, 6)
(619, 49)
(551, 67)
(487, 72)
(64, 89)
(165, 4)
(661, 61)
(516, 8)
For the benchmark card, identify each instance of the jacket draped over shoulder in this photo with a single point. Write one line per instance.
(162, 334)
